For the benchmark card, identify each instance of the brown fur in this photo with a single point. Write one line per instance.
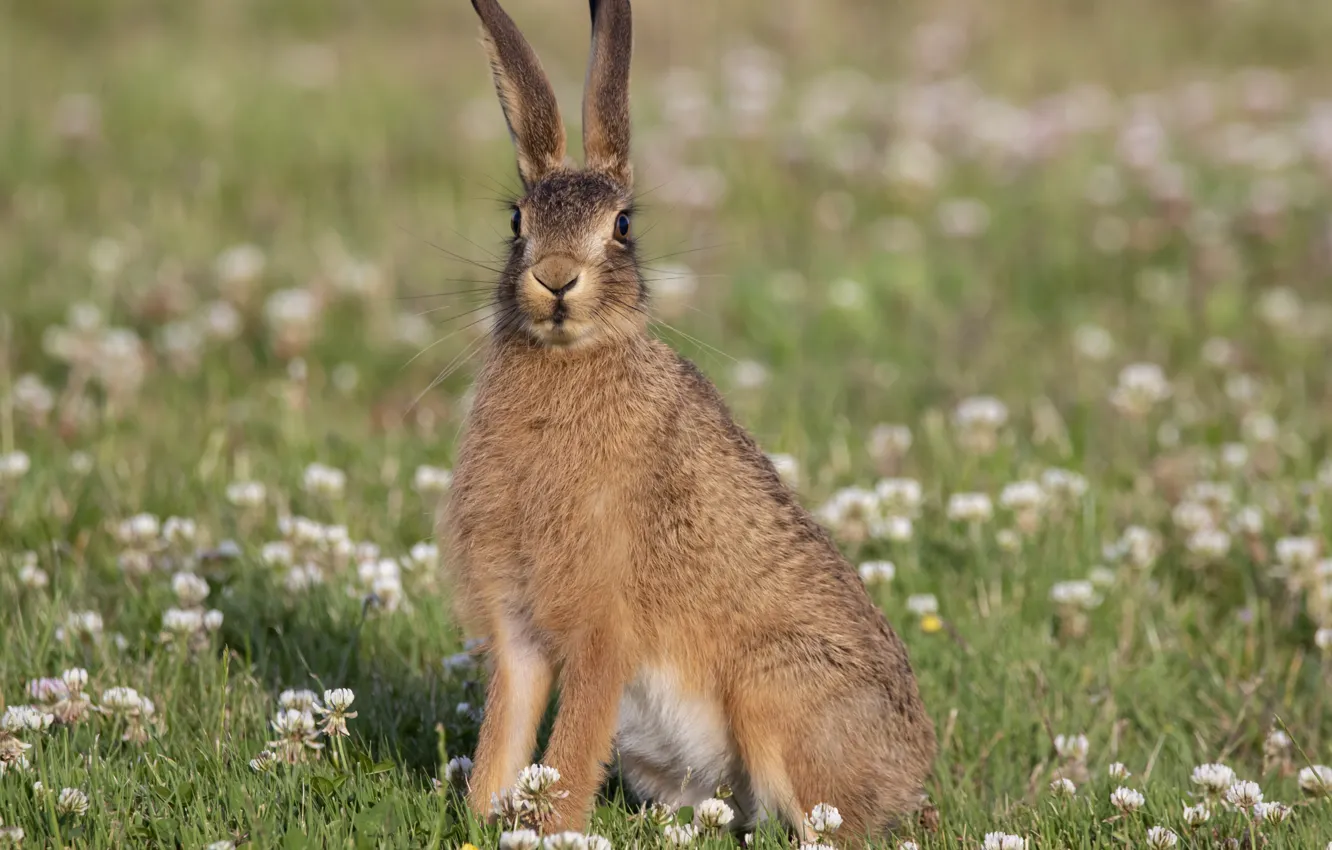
(610, 525)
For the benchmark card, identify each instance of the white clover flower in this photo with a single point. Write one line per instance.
(179, 530)
(1316, 781)
(565, 841)
(1077, 593)
(246, 494)
(12, 836)
(1297, 552)
(75, 679)
(519, 839)
(1062, 787)
(182, 622)
(1102, 576)
(1323, 639)
(1259, 427)
(536, 779)
(787, 467)
(823, 819)
(33, 577)
(970, 507)
(749, 374)
(1072, 747)
(1276, 743)
(1140, 546)
(1192, 516)
(1196, 815)
(121, 700)
(457, 770)
(72, 801)
(239, 265)
(1213, 778)
(1093, 342)
(339, 699)
(1118, 771)
(264, 762)
(278, 553)
(190, 589)
(1127, 800)
(13, 466)
(25, 718)
(425, 554)
(221, 845)
(1141, 387)
(1209, 543)
(888, 441)
(899, 496)
(212, 620)
(1161, 838)
(876, 572)
(978, 421)
(1244, 795)
(1004, 841)
(324, 481)
(908, 845)
(680, 835)
(1271, 812)
(1022, 496)
(1063, 484)
(46, 690)
(921, 604)
(713, 813)
(898, 529)
(1247, 520)
(432, 480)
(298, 699)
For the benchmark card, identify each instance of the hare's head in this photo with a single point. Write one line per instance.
(571, 278)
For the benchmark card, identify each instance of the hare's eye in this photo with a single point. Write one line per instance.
(516, 222)
(622, 226)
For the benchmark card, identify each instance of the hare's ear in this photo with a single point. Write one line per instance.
(606, 96)
(524, 92)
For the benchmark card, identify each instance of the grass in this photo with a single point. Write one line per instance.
(359, 150)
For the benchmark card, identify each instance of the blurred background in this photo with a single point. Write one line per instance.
(828, 184)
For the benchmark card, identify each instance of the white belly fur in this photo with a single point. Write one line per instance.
(676, 747)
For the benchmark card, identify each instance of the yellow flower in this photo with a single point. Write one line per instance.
(930, 623)
(469, 847)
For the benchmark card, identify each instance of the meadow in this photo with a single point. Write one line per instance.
(1031, 302)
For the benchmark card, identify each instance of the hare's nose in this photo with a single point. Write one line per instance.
(556, 289)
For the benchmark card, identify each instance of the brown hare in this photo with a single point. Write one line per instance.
(610, 527)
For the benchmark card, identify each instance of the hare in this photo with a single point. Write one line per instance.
(610, 526)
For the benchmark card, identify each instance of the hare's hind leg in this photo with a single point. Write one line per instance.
(515, 700)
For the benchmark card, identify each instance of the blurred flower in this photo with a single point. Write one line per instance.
(13, 466)
(335, 713)
(324, 481)
(1316, 780)
(970, 507)
(1063, 788)
(978, 421)
(1161, 838)
(1141, 387)
(875, 572)
(246, 494)
(1196, 815)
(432, 480)
(787, 467)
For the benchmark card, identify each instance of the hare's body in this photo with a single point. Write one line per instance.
(611, 526)
(622, 506)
